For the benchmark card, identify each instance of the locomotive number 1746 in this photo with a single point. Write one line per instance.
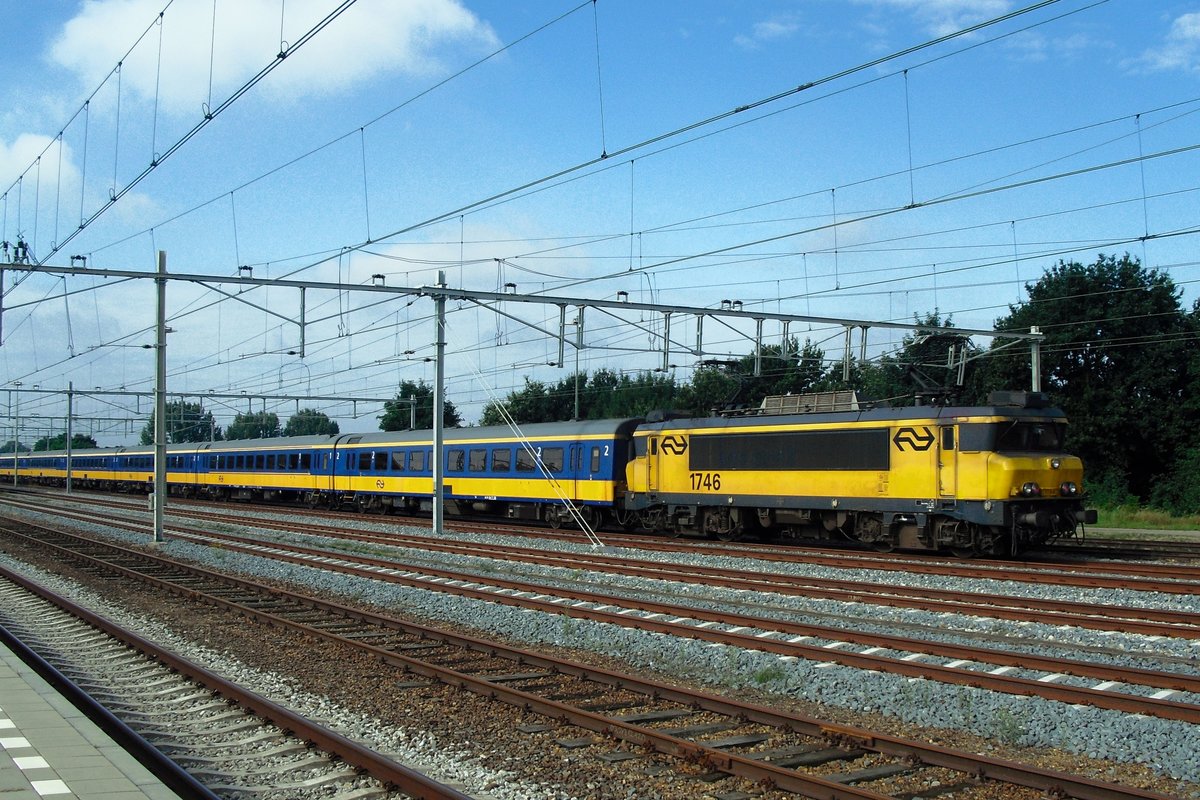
(705, 480)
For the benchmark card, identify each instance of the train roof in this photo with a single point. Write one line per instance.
(604, 428)
(598, 428)
(269, 443)
(904, 414)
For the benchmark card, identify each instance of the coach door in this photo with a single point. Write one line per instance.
(947, 456)
(577, 470)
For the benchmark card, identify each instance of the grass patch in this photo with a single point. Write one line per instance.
(1140, 518)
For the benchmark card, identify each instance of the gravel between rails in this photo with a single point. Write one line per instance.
(1167, 747)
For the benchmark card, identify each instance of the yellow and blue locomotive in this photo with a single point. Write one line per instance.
(992, 479)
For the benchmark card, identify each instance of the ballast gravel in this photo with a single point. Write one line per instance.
(415, 748)
(1168, 747)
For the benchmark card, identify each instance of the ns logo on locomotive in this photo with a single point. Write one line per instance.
(990, 479)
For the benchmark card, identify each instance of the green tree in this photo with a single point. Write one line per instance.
(254, 425)
(397, 413)
(1117, 356)
(79, 441)
(8, 447)
(186, 422)
(310, 422)
(602, 395)
(798, 370)
(925, 367)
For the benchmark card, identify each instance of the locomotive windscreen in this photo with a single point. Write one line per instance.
(797, 450)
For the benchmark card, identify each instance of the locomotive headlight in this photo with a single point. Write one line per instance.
(1068, 489)
(1030, 489)
(1055, 463)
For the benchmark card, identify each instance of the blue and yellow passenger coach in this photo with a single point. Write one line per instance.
(527, 474)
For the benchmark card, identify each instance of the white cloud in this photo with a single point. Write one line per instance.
(1180, 50)
(774, 29)
(943, 17)
(30, 206)
(374, 37)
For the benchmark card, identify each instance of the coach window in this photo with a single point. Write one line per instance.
(305, 461)
(595, 465)
(260, 461)
(525, 461)
(381, 460)
(294, 461)
(364, 460)
(477, 461)
(455, 459)
(397, 461)
(416, 460)
(270, 461)
(552, 458)
(501, 460)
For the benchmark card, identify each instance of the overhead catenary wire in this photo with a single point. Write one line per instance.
(461, 217)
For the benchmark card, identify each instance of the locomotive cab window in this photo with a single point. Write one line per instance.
(1015, 436)
(947, 438)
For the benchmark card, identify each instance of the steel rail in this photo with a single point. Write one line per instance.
(1132, 704)
(173, 776)
(353, 753)
(1147, 621)
(977, 765)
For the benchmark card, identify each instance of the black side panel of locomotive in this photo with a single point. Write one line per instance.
(798, 450)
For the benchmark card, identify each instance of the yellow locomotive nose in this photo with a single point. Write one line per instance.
(1030, 477)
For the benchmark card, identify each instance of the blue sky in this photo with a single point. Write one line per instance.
(1046, 136)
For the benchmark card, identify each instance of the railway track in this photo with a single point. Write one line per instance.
(228, 739)
(1155, 692)
(647, 720)
(1129, 548)
(1045, 566)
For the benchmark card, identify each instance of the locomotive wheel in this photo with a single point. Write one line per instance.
(719, 524)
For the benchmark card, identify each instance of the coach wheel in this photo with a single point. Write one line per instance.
(590, 516)
(551, 517)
